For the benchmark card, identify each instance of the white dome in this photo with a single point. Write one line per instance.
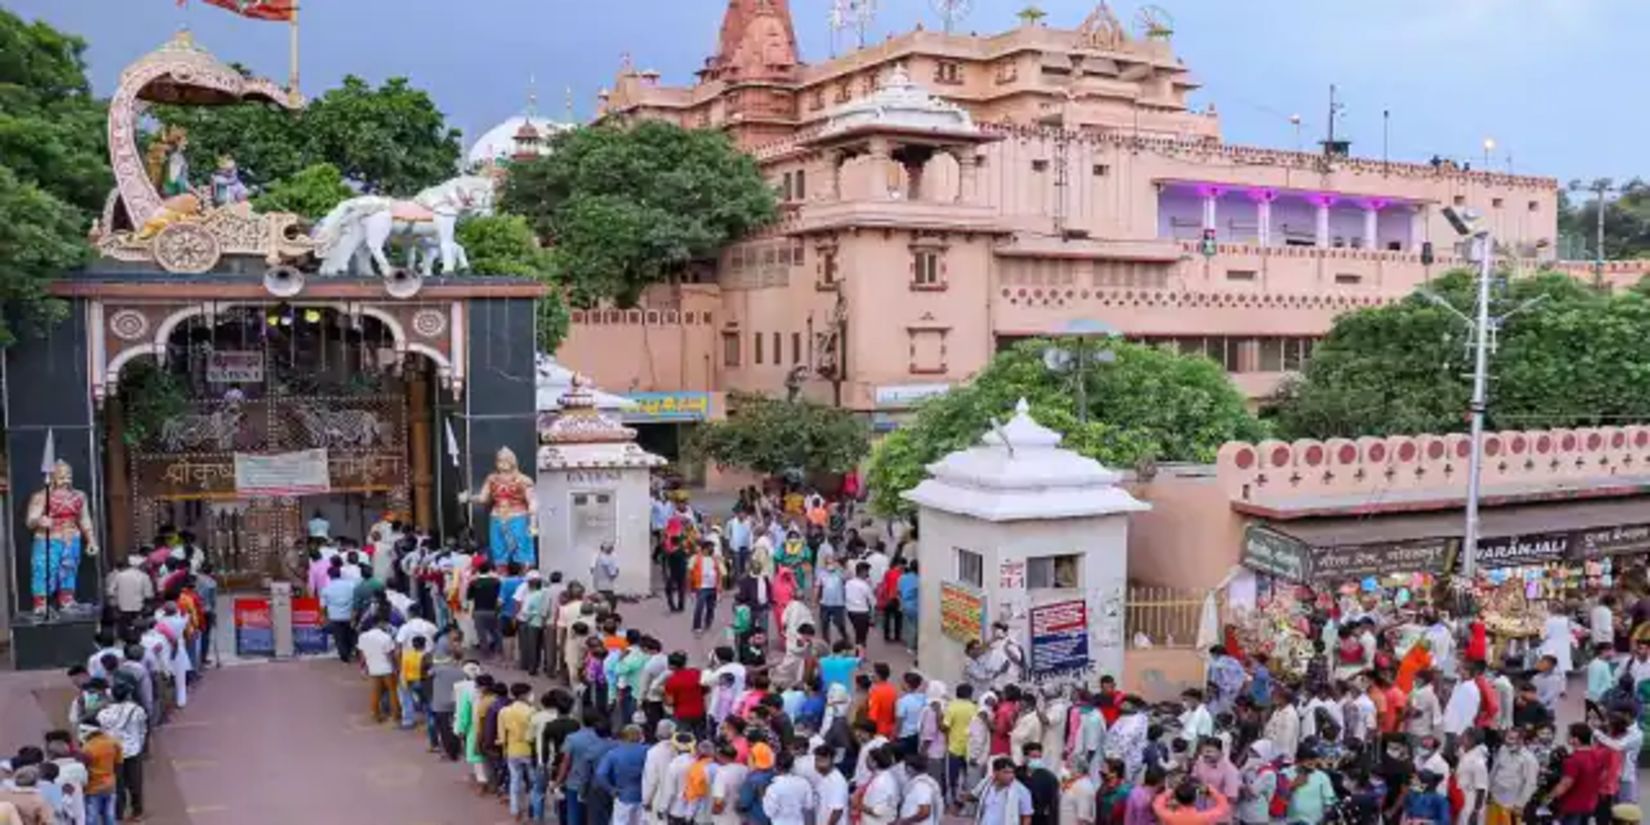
(499, 142)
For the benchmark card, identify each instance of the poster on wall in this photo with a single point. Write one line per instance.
(254, 630)
(1059, 639)
(235, 367)
(1013, 575)
(962, 613)
(309, 627)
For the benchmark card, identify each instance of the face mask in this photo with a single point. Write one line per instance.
(1034, 764)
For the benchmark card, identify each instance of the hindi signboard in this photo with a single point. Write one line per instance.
(254, 630)
(1357, 561)
(231, 366)
(298, 473)
(667, 406)
(1268, 551)
(1059, 639)
(962, 613)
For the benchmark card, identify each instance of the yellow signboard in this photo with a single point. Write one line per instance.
(962, 613)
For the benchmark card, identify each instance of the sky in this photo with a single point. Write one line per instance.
(1555, 84)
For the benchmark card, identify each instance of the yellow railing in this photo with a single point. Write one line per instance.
(1165, 617)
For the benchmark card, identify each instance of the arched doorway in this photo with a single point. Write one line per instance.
(273, 391)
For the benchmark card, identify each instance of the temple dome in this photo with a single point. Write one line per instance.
(900, 104)
(500, 143)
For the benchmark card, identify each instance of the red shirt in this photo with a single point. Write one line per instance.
(1111, 706)
(879, 705)
(1585, 770)
(683, 691)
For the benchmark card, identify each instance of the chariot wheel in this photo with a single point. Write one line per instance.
(187, 248)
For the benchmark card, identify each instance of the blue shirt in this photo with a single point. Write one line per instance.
(339, 598)
(908, 713)
(620, 772)
(750, 796)
(908, 594)
(832, 589)
(661, 514)
(1260, 686)
(1433, 807)
(838, 670)
(582, 748)
(812, 712)
(507, 595)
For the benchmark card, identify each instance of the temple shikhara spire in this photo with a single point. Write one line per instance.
(758, 42)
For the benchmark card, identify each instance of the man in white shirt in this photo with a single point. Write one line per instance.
(1425, 713)
(1601, 622)
(377, 652)
(870, 742)
(1463, 704)
(655, 801)
(1472, 776)
(920, 802)
(880, 804)
(859, 599)
(1195, 721)
(789, 797)
(1362, 725)
(831, 807)
(416, 627)
(131, 589)
(724, 786)
(1441, 644)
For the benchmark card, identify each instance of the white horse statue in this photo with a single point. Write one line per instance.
(365, 224)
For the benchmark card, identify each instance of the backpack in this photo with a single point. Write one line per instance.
(1278, 805)
(1489, 704)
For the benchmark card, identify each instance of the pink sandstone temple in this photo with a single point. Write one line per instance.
(947, 194)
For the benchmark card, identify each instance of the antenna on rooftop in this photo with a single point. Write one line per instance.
(951, 11)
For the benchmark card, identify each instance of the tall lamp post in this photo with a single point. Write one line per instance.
(1081, 343)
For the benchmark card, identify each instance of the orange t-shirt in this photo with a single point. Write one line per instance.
(615, 642)
(880, 707)
(102, 755)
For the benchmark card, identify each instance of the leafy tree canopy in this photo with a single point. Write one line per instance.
(774, 436)
(505, 245)
(390, 139)
(623, 207)
(1148, 404)
(1626, 220)
(54, 171)
(310, 192)
(1576, 358)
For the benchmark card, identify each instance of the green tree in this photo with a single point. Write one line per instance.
(1575, 358)
(54, 172)
(505, 245)
(310, 192)
(390, 139)
(774, 436)
(623, 207)
(1147, 405)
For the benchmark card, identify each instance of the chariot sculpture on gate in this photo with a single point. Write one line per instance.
(158, 214)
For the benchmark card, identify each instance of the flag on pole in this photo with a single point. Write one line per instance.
(282, 10)
(452, 442)
(48, 456)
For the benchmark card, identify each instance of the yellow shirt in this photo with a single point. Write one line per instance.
(515, 729)
(958, 716)
(412, 665)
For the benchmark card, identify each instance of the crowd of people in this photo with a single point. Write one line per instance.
(153, 647)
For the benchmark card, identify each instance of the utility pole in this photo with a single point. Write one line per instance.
(1329, 142)
(1386, 127)
(1480, 393)
(1598, 244)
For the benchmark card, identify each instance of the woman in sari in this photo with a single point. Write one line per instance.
(784, 592)
(794, 555)
(1417, 659)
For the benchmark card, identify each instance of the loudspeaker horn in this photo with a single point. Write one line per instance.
(283, 281)
(403, 283)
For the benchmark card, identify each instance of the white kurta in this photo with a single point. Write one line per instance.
(1557, 637)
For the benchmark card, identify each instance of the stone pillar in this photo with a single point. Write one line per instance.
(1323, 202)
(1372, 224)
(882, 166)
(833, 174)
(117, 481)
(420, 447)
(968, 173)
(1211, 215)
(1417, 228)
(1263, 218)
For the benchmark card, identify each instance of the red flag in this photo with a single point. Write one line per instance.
(283, 10)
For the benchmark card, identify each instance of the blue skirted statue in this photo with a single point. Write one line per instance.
(512, 527)
(62, 522)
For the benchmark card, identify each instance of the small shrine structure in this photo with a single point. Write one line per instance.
(1023, 533)
(593, 488)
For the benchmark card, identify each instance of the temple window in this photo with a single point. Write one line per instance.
(927, 270)
(796, 348)
(827, 268)
(1053, 572)
(927, 350)
(756, 348)
(801, 184)
(730, 349)
(949, 72)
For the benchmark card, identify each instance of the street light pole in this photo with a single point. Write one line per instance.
(1598, 244)
(1480, 392)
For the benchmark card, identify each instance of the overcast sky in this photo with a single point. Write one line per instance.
(1558, 84)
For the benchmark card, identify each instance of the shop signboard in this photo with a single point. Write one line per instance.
(1357, 561)
(1275, 554)
(296, 473)
(1059, 639)
(1517, 551)
(962, 613)
(658, 407)
(309, 627)
(254, 630)
(906, 396)
(1611, 541)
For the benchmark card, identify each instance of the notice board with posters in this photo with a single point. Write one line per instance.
(1059, 639)
(962, 613)
(254, 629)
